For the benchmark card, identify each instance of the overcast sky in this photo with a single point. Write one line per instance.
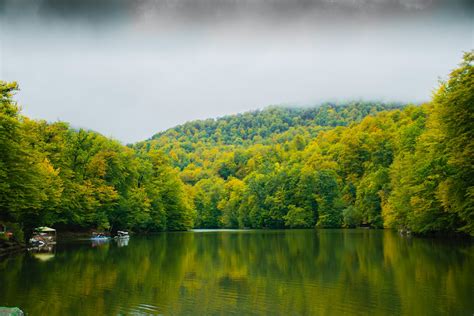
(129, 69)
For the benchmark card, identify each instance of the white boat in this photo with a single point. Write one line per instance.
(43, 236)
(122, 235)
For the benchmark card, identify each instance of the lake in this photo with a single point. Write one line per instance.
(296, 272)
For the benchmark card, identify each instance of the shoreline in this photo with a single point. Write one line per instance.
(9, 247)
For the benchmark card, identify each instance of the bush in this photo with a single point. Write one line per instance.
(351, 217)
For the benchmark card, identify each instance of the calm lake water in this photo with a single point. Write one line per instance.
(296, 272)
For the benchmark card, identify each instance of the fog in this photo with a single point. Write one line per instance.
(129, 69)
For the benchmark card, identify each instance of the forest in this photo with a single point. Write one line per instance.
(353, 164)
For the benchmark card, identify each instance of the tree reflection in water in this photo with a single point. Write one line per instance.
(284, 272)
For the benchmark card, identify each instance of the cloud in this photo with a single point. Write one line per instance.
(129, 71)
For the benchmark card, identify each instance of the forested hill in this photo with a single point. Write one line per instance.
(202, 141)
(347, 165)
(263, 125)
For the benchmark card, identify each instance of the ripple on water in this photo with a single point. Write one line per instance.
(140, 309)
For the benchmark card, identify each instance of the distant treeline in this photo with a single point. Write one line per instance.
(336, 165)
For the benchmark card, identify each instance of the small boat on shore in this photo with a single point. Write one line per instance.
(11, 311)
(43, 236)
(99, 239)
(99, 236)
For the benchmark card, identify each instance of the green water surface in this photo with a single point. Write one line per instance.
(293, 272)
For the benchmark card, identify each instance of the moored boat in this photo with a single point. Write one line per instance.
(11, 311)
(43, 236)
(122, 235)
(99, 236)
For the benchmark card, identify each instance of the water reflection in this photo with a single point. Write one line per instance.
(100, 242)
(43, 253)
(248, 272)
(122, 242)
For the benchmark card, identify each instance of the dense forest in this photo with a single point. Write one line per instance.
(52, 174)
(370, 164)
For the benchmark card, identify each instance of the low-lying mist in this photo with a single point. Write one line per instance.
(131, 68)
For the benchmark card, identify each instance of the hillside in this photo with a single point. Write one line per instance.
(287, 165)
(260, 126)
(369, 164)
(275, 124)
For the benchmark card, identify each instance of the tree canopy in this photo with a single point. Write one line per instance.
(52, 174)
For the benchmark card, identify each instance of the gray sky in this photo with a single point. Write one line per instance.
(129, 69)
